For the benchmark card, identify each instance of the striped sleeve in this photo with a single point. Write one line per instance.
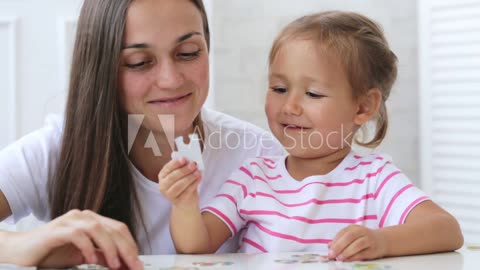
(395, 196)
(229, 199)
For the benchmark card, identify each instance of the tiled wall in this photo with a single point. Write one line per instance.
(244, 29)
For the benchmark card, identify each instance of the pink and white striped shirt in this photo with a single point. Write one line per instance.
(274, 212)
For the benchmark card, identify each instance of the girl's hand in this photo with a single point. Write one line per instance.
(78, 237)
(357, 243)
(178, 181)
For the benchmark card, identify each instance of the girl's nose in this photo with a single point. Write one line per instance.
(292, 106)
(168, 76)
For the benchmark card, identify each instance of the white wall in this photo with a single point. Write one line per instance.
(450, 108)
(245, 29)
(32, 80)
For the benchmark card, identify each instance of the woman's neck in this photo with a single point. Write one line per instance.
(301, 168)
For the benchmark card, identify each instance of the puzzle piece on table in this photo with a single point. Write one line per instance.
(217, 263)
(311, 258)
(304, 258)
(473, 247)
(189, 151)
(371, 266)
(358, 266)
(178, 268)
(286, 261)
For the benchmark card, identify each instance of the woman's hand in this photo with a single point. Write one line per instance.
(357, 243)
(178, 182)
(78, 237)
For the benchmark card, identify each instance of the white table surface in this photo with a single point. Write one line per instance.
(463, 259)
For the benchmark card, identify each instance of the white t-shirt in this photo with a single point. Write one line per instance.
(274, 212)
(28, 164)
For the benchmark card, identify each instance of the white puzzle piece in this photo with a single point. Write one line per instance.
(189, 151)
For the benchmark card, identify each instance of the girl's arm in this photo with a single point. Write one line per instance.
(195, 232)
(192, 231)
(427, 229)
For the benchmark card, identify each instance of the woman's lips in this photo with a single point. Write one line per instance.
(171, 101)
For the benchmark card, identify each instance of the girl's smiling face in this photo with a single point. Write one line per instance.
(310, 106)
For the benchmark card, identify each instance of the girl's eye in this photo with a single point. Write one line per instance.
(279, 90)
(138, 65)
(189, 55)
(314, 95)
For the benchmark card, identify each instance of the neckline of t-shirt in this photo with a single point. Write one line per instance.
(337, 170)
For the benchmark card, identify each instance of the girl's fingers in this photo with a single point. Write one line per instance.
(343, 239)
(177, 189)
(171, 166)
(193, 189)
(166, 182)
(360, 256)
(354, 248)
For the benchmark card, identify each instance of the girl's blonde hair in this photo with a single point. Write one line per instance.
(360, 45)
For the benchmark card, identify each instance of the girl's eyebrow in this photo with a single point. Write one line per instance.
(278, 75)
(145, 46)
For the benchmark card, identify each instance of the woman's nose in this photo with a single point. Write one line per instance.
(169, 76)
(292, 106)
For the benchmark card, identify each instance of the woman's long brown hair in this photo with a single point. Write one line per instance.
(93, 168)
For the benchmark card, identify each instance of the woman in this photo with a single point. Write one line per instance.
(90, 176)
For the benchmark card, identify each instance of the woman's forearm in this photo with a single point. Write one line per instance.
(4, 256)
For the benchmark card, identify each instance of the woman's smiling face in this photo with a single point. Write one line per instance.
(164, 67)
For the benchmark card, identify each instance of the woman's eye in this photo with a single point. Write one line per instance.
(138, 65)
(314, 95)
(279, 90)
(189, 55)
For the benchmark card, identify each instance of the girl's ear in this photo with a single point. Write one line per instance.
(368, 106)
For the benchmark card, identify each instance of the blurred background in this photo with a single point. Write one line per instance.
(434, 107)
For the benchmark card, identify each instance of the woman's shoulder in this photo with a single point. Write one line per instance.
(50, 133)
(45, 140)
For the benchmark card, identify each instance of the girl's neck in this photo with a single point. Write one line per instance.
(301, 168)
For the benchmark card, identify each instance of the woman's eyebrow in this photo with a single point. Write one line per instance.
(187, 36)
(136, 46)
(145, 46)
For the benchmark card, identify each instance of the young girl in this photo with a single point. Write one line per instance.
(330, 73)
